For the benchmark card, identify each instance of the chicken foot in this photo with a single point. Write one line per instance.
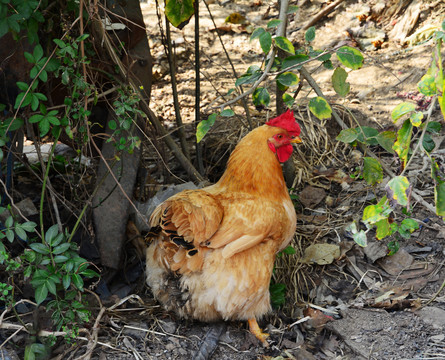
(259, 334)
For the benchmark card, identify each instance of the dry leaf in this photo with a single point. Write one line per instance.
(321, 254)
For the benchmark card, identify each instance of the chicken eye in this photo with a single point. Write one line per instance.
(279, 136)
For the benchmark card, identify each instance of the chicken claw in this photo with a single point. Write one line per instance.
(259, 334)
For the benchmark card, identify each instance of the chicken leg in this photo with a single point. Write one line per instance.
(255, 330)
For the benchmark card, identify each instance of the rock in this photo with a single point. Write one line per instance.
(433, 316)
(147, 208)
(375, 250)
(168, 326)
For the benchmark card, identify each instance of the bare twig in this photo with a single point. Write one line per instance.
(318, 91)
(172, 67)
(243, 100)
(419, 143)
(321, 14)
(182, 159)
(198, 146)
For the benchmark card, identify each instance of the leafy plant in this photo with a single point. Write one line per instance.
(405, 147)
(285, 69)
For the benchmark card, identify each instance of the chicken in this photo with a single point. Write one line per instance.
(212, 250)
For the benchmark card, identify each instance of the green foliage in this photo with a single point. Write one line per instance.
(398, 190)
(339, 83)
(277, 294)
(350, 57)
(179, 12)
(320, 108)
(284, 44)
(372, 171)
(126, 110)
(261, 97)
(204, 126)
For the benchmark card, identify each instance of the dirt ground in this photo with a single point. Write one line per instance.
(370, 298)
(361, 305)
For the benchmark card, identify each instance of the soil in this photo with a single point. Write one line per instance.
(362, 304)
(360, 328)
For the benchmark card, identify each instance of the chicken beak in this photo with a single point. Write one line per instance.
(296, 140)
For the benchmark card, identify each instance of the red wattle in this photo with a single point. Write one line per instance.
(284, 152)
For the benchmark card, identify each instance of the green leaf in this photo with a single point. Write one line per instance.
(265, 42)
(288, 100)
(416, 118)
(339, 83)
(39, 248)
(277, 295)
(51, 233)
(393, 247)
(383, 229)
(407, 227)
(20, 232)
(309, 36)
(320, 108)
(284, 44)
(428, 143)
(398, 190)
(44, 127)
(10, 235)
(60, 249)
(204, 126)
(35, 118)
(257, 33)
(427, 85)
(51, 286)
(53, 65)
(179, 12)
(289, 250)
(360, 238)
(434, 127)
(38, 52)
(77, 281)
(248, 78)
(227, 113)
(66, 281)
(43, 76)
(29, 57)
(350, 57)
(439, 189)
(41, 293)
(91, 273)
(261, 97)
(372, 170)
(402, 109)
(34, 102)
(439, 197)
(367, 135)
(29, 226)
(375, 213)
(294, 60)
(386, 140)
(402, 144)
(57, 240)
(60, 259)
(288, 79)
(9, 222)
(273, 23)
(347, 136)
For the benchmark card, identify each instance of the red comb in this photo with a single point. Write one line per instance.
(287, 122)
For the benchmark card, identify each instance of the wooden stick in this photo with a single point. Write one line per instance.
(321, 14)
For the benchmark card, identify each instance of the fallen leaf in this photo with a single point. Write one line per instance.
(311, 196)
(321, 254)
